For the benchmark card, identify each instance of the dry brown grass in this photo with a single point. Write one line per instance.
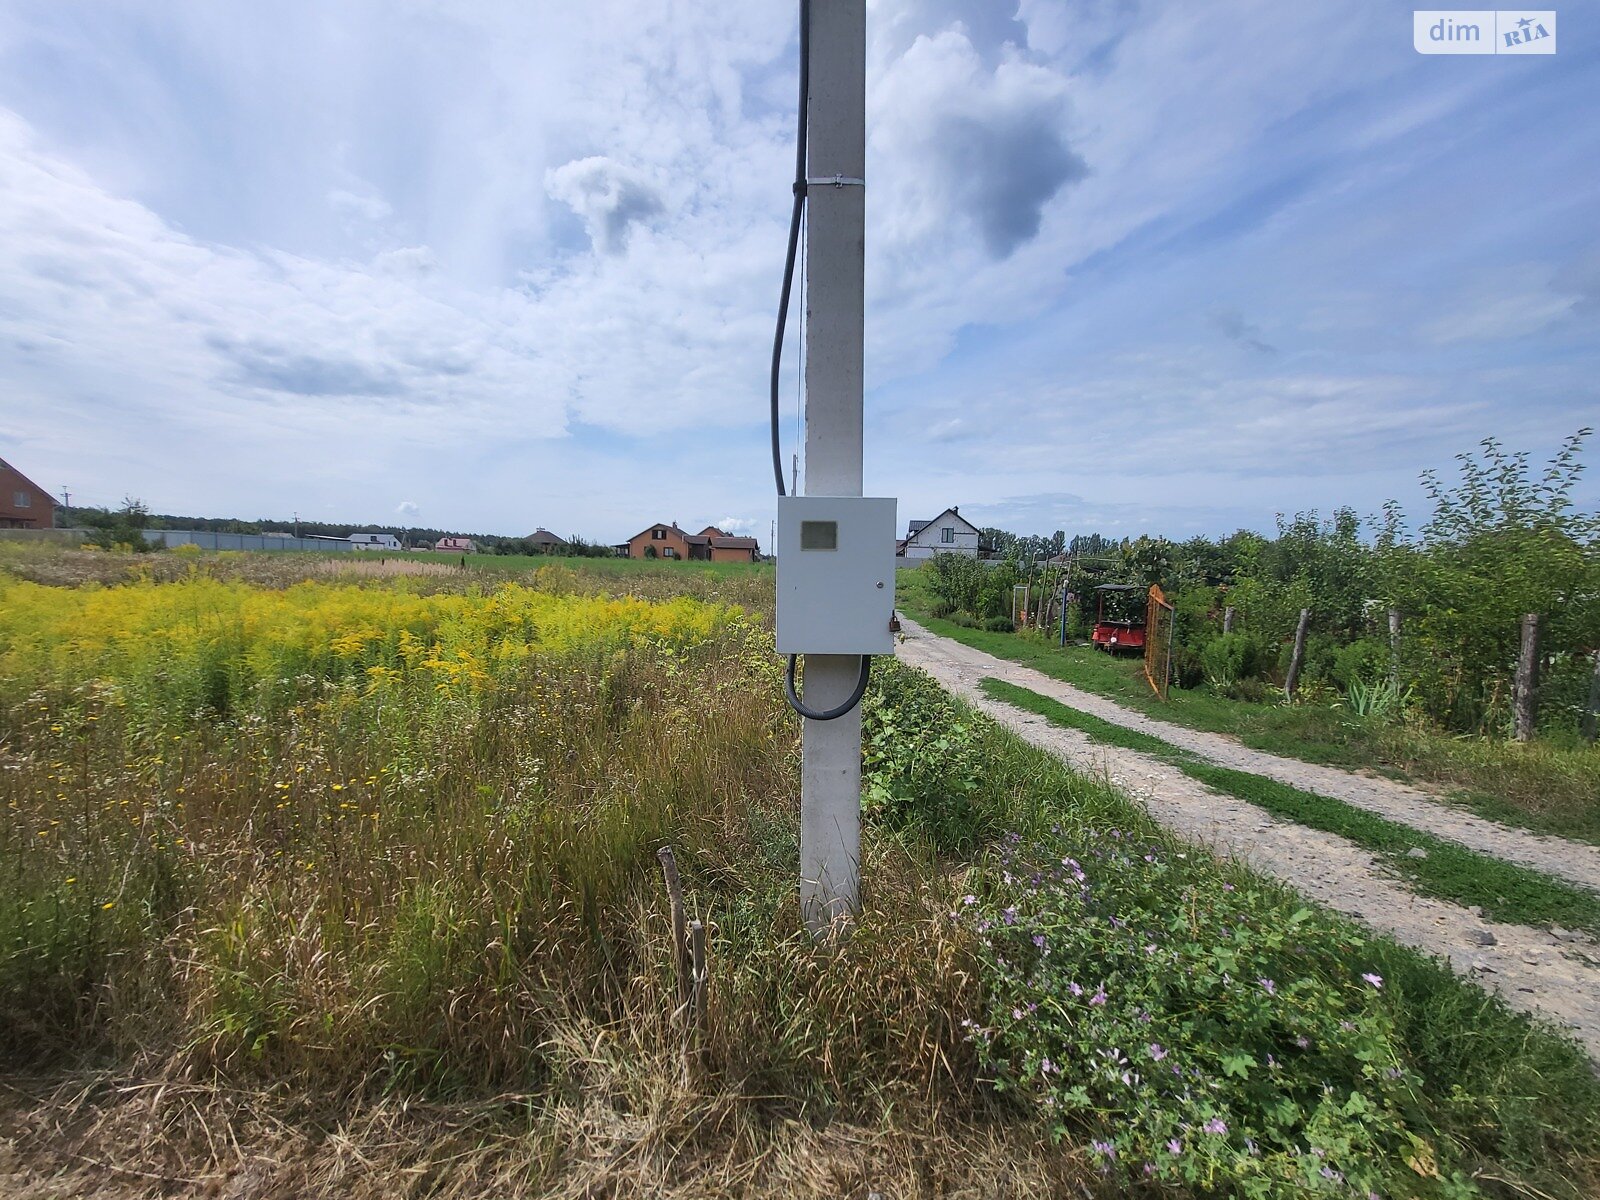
(102, 1136)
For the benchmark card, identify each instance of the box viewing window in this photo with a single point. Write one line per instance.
(819, 535)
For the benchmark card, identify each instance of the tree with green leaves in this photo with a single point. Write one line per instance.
(1502, 541)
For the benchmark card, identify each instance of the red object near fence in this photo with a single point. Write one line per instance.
(1119, 618)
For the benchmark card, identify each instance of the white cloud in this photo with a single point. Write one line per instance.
(610, 197)
(367, 207)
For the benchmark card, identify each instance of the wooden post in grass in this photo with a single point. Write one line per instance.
(1526, 681)
(680, 932)
(1394, 645)
(1591, 714)
(1227, 620)
(697, 973)
(1292, 680)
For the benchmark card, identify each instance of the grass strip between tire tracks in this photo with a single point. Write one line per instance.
(1506, 892)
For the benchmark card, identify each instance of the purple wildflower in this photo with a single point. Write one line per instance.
(1175, 1146)
(1074, 989)
(1303, 1042)
(1156, 1052)
(1099, 997)
(1375, 980)
(1038, 940)
(1215, 1125)
(1268, 986)
(1104, 1149)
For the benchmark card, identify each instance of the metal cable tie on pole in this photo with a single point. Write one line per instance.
(837, 181)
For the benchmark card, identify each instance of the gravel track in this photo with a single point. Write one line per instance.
(1553, 974)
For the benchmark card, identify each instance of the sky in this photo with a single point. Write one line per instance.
(1133, 266)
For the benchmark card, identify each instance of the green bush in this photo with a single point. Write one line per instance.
(940, 609)
(1187, 669)
(1251, 691)
(921, 762)
(994, 597)
(1000, 625)
(1362, 661)
(1233, 657)
(964, 621)
(956, 580)
(1079, 626)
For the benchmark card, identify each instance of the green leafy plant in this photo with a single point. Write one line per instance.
(1380, 700)
(920, 762)
(1207, 1034)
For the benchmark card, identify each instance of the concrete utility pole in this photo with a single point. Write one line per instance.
(830, 789)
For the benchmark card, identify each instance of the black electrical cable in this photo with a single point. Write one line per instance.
(794, 233)
(829, 714)
(795, 216)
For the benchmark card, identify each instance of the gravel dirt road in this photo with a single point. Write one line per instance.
(1554, 973)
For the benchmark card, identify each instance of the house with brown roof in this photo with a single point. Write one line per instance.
(709, 545)
(23, 503)
(545, 542)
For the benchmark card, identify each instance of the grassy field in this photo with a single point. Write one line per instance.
(347, 885)
(1546, 786)
(599, 567)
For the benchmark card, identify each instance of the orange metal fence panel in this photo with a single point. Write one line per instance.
(1158, 625)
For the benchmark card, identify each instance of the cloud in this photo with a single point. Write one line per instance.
(610, 197)
(1046, 512)
(284, 369)
(406, 260)
(364, 206)
(407, 508)
(968, 144)
(1235, 328)
(1512, 302)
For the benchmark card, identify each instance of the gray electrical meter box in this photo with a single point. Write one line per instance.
(835, 574)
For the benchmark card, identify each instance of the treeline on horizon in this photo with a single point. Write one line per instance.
(134, 516)
(1503, 540)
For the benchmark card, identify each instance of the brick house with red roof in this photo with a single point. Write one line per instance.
(23, 503)
(709, 545)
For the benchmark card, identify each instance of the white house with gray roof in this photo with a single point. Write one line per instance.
(948, 533)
